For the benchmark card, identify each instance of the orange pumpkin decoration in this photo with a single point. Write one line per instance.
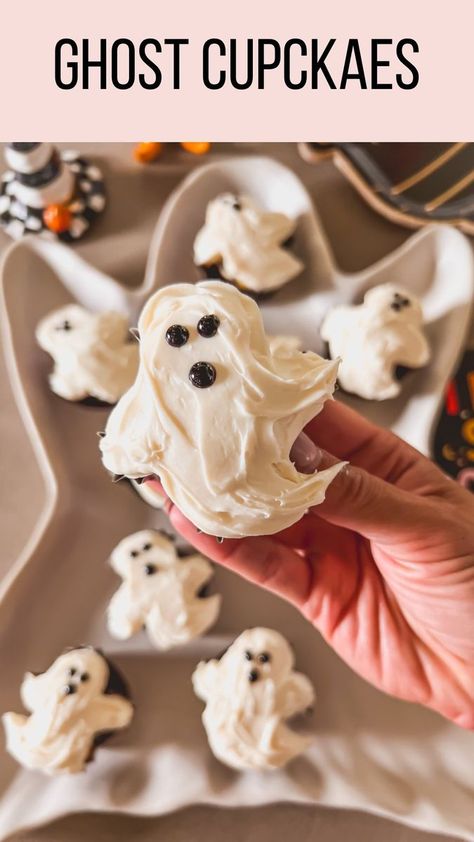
(144, 153)
(197, 148)
(57, 218)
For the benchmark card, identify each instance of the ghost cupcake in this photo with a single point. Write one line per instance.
(160, 591)
(377, 341)
(73, 707)
(250, 693)
(95, 358)
(246, 245)
(214, 413)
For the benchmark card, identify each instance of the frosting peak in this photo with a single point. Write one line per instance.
(221, 449)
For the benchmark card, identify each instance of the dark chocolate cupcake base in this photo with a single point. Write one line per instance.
(213, 272)
(116, 686)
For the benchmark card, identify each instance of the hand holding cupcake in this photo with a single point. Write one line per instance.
(214, 413)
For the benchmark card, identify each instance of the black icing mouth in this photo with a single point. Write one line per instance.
(401, 371)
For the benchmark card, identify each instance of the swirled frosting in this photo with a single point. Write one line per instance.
(215, 416)
(92, 354)
(160, 591)
(245, 241)
(375, 337)
(68, 708)
(249, 693)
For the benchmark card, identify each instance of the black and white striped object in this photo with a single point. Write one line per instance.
(89, 200)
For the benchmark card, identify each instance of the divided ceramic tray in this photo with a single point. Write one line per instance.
(369, 752)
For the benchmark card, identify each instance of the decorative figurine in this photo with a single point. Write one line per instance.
(44, 190)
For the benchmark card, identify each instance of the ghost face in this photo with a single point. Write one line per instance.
(72, 327)
(257, 657)
(393, 305)
(75, 679)
(238, 216)
(145, 552)
(214, 413)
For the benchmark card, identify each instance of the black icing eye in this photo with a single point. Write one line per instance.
(72, 671)
(253, 676)
(134, 553)
(202, 375)
(147, 547)
(236, 205)
(150, 569)
(85, 677)
(65, 325)
(69, 690)
(263, 658)
(177, 335)
(207, 326)
(399, 302)
(248, 655)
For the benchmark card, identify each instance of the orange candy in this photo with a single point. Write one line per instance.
(468, 431)
(144, 153)
(57, 218)
(197, 148)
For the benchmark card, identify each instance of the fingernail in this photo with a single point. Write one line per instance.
(305, 455)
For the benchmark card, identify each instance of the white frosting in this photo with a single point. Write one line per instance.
(222, 452)
(93, 358)
(58, 735)
(245, 719)
(284, 344)
(159, 591)
(373, 338)
(245, 241)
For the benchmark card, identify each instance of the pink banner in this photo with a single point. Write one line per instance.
(244, 71)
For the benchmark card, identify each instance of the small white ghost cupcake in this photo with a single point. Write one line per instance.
(246, 245)
(377, 341)
(95, 358)
(249, 693)
(160, 591)
(215, 413)
(73, 707)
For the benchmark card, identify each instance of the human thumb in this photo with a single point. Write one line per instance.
(360, 501)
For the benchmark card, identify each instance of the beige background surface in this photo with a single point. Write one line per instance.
(118, 245)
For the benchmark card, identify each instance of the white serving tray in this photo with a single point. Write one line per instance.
(370, 752)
